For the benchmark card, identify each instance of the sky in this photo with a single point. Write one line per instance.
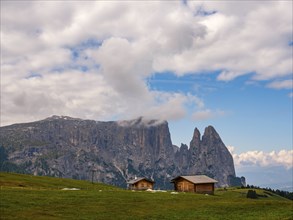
(193, 63)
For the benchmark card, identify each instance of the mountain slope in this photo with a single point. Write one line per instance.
(113, 152)
(29, 197)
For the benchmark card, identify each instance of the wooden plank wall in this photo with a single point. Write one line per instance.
(204, 188)
(184, 186)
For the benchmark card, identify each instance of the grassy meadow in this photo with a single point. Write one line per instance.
(31, 197)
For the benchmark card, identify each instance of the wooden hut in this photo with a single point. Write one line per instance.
(140, 183)
(198, 184)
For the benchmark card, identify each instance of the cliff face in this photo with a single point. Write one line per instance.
(212, 156)
(116, 151)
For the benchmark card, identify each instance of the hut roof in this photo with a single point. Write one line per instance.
(139, 179)
(197, 179)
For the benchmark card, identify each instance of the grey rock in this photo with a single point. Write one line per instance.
(115, 151)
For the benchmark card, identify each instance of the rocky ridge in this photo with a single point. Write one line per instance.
(115, 151)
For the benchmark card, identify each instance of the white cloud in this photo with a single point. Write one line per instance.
(86, 95)
(70, 93)
(228, 75)
(123, 66)
(285, 84)
(239, 43)
(135, 39)
(262, 159)
(206, 114)
(167, 106)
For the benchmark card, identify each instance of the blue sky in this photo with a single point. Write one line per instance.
(192, 63)
(252, 115)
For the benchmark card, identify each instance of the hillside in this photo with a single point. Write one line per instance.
(62, 146)
(30, 197)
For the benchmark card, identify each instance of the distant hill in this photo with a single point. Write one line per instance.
(113, 152)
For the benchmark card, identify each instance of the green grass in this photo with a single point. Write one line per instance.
(29, 197)
(13, 180)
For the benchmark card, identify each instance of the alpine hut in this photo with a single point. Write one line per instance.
(140, 183)
(197, 184)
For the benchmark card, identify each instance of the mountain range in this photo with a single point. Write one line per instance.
(113, 152)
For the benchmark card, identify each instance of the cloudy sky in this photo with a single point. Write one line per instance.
(193, 63)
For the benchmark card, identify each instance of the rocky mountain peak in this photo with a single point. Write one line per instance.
(183, 147)
(210, 135)
(210, 131)
(195, 139)
(70, 147)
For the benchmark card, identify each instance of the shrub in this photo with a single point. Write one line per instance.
(251, 194)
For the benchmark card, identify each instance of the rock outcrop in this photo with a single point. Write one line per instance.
(210, 156)
(114, 151)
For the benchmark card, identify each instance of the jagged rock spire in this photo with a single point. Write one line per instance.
(209, 156)
(195, 139)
